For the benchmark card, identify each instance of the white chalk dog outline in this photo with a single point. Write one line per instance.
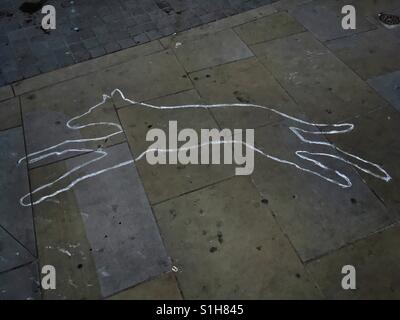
(339, 129)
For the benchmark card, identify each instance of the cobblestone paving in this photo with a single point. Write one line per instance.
(89, 29)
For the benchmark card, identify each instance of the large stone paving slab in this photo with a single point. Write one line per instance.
(324, 19)
(10, 114)
(388, 86)
(369, 54)
(164, 287)
(376, 137)
(245, 81)
(157, 179)
(14, 184)
(225, 244)
(20, 284)
(268, 28)
(210, 50)
(6, 93)
(316, 215)
(326, 89)
(111, 241)
(46, 112)
(146, 78)
(376, 260)
(62, 241)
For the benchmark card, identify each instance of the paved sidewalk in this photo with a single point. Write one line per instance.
(89, 29)
(199, 231)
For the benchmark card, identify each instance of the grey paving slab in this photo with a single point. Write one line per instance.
(149, 77)
(137, 121)
(271, 27)
(326, 89)
(12, 253)
(376, 137)
(211, 50)
(324, 19)
(120, 226)
(376, 260)
(45, 114)
(10, 114)
(224, 242)
(20, 284)
(6, 93)
(14, 184)
(61, 238)
(244, 81)
(164, 287)
(388, 86)
(369, 54)
(317, 216)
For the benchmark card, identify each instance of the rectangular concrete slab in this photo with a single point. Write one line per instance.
(376, 262)
(324, 19)
(271, 27)
(20, 284)
(138, 121)
(164, 287)
(10, 114)
(317, 216)
(109, 239)
(119, 223)
(225, 244)
(146, 78)
(369, 54)
(388, 86)
(376, 137)
(326, 89)
(14, 184)
(246, 81)
(6, 92)
(210, 50)
(61, 238)
(84, 68)
(46, 112)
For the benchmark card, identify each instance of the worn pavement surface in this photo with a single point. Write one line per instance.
(200, 231)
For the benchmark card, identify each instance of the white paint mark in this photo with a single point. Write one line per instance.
(320, 129)
(65, 251)
(178, 44)
(72, 283)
